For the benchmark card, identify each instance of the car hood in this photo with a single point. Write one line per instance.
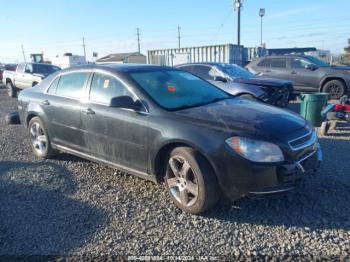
(263, 81)
(236, 88)
(243, 117)
(340, 67)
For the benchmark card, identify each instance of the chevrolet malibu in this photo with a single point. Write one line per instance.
(167, 125)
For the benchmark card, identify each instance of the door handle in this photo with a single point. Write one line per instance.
(294, 73)
(45, 103)
(88, 111)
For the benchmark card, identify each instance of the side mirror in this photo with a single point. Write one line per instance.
(311, 67)
(125, 102)
(220, 79)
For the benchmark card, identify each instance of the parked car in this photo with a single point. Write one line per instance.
(236, 80)
(9, 67)
(26, 75)
(165, 124)
(307, 73)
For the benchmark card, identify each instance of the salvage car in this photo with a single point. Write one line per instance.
(165, 124)
(236, 80)
(308, 73)
(26, 75)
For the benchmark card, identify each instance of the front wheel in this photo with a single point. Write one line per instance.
(190, 181)
(39, 138)
(11, 90)
(335, 88)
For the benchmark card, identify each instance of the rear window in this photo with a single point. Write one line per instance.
(71, 85)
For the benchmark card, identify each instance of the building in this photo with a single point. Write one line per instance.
(68, 60)
(123, 58)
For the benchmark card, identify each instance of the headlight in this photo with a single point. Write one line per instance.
(256, 151)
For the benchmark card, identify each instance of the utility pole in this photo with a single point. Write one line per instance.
(261, 14)
(24, 55)
(138, 39)
(238, 6)
(179, 35)
(84, 46)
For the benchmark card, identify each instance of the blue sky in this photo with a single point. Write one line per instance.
(57, 26)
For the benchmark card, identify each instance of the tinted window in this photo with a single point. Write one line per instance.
(71, 85)
(279, 62)
(177, 89)
(235, 71)
(10, 67)
(265, 62)
(28, 68)
(298, 63)
(53, 86)
(202, 71)
(105, 87)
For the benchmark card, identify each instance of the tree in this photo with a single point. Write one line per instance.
(346, 56)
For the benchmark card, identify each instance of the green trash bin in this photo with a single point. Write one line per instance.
(311, 107)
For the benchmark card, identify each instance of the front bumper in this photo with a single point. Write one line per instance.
(242, 178)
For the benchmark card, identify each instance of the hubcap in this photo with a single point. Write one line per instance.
(182, 181)
(334, 91)
(38, 138)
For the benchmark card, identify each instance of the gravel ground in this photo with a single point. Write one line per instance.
(69, 206)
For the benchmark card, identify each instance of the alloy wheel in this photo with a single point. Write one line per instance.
(182, 181)
(334, 91)
(38, 138)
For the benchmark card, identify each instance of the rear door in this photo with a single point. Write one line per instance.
(62, 106)
(303, 79)
(279, 68)
(116, 135)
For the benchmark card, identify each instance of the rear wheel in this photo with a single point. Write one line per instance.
(39, 138)
(190, 181)
(335, 88)
(11, 90)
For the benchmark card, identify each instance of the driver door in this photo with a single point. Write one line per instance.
(116, 135)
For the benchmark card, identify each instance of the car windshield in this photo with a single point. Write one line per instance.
(44, 69)
(318, 61)
(175, 89)
(235, 71)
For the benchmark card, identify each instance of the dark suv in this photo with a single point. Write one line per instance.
(307, 73)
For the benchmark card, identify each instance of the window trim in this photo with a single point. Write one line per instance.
(46, 91)
(102, 72)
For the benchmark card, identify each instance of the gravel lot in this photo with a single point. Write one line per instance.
(69, 206)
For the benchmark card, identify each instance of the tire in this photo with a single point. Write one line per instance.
(335, 88)
(39, 138)
(11, 90)
(190, 181)
(283, 100)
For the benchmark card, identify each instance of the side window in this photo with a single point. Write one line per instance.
(71, 85)
(202, 72)
(53, 86)
(265, 63)
(299, 63)
(20, 68)
(28, 69)
(279, 63)
(105, 87)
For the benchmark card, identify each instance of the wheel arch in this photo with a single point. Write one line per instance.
(159, 161)
(330, 78)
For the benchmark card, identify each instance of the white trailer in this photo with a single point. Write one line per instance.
(66, 61)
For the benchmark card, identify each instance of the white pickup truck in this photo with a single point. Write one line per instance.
(26, 75)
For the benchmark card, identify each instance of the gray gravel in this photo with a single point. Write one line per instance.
(69, 206)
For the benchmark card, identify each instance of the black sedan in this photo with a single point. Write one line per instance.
(236, 80)
(165, 124)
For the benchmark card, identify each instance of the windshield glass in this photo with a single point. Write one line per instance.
(235, 71)
(317, 61)
(176, 90)
(44, 69)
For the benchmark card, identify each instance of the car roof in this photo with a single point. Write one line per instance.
(119, 67)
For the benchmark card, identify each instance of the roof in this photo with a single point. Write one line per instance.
(282, 51)
(118, 57)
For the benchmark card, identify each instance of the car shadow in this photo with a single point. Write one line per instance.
(320, 202)
(38, 212)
